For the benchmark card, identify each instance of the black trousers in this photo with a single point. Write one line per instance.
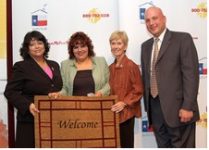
(25, 135)
(127, 133)
(167, 137)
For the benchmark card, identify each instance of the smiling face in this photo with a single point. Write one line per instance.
(155, 21)
(80, 46)
(118, 43)
(36, 49)
(80, 52)
(118, 47)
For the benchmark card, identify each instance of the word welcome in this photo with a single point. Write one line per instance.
(77, 124)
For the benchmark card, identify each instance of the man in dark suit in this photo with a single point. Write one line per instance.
(171, 79)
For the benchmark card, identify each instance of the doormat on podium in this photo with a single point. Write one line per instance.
(76, 122)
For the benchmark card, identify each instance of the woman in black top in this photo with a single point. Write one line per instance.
(35, 75)
(83, 73)
(83, 80)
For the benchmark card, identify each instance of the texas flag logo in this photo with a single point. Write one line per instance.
(142, 9)
(39, 20)
(39, 17)
(141, 13)
(146, 127)
(203, 66)
(202, 69)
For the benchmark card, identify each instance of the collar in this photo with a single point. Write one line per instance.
(161, 35)
(121, 63)
(73, 61)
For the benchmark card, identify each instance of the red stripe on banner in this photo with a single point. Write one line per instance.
(42, 22)
(204, 71)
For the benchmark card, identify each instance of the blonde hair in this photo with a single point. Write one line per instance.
(119, 35)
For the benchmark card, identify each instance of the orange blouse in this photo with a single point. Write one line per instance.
(125, 82)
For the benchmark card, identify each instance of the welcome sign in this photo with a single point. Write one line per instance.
(76, 122)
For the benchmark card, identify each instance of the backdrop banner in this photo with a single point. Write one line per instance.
(98, 19)
(76, 122)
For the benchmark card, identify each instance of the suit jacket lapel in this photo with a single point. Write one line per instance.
(164, 45)
(53, 70)
(39, 69)
(149, 54)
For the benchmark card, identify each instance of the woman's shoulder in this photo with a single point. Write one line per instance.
(130, 62)
(67, 62)
(52, 62)
(99, 59)
(21, 63)
(112, 66)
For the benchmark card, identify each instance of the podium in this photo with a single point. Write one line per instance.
(76, 122)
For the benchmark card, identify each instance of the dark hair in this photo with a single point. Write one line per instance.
(33, 35)
(80, 38)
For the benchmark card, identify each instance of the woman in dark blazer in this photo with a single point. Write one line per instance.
(35, 75)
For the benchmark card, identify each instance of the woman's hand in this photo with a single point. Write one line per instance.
(118, 107)
(54, 95)
(33, 110)
(98, 94)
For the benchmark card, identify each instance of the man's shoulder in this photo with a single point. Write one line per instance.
(180, 33)
(147, 42)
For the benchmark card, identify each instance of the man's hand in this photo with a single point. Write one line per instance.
(185, 115)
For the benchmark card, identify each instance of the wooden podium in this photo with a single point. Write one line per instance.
(76, 122)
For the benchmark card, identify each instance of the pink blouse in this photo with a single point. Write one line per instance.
(48, 71)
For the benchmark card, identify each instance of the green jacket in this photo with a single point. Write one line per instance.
(100, 75)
